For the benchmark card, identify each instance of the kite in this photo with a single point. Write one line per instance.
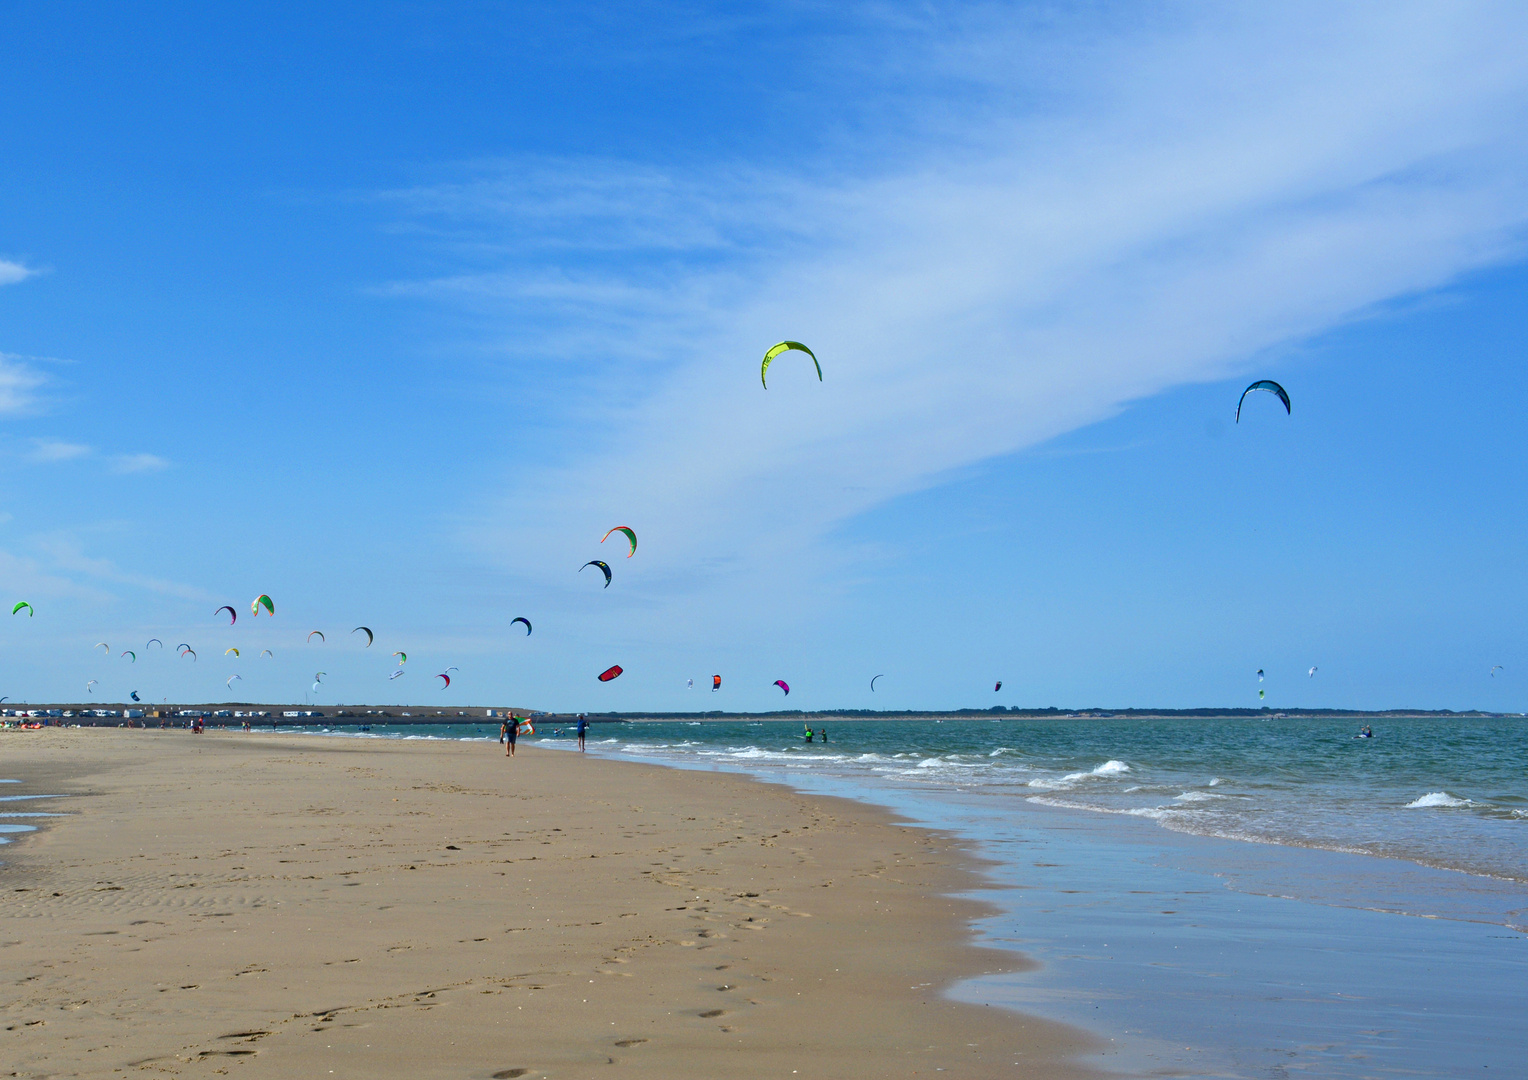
(230, 649)
(261, 601)
(264, 652)
(872, 681)
(403, 658)
(689, 684)
(786, 346)
(783, 685)
(602, 566)
(1494, 670)
(1259, 674)
(320, 634)
(189, 652)
(1260, 695)
(1312, 673)
(103, 645)
(231, 678)
(369, 636)
(522, 618)
(629, 535)
(523, 726)
(998, 687)
(154, 641)
(610, 673)
(129, 652)
(315, 688)
(318, 677)
(33, 611)
(134, 696)
(443, 675)
(91, 683)
(1267, 385)
(716, 683)
(453, 669)
(233, 616)
(394, 675)
(181, 646)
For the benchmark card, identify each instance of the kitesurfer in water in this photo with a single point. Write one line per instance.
(822, 734)
(1366, 732)
(808, 736)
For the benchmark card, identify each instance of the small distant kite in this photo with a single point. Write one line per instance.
(1267, 385)
(394, 675)
(1494, 670)
(154, 641)
(403, 658)
(189, 652)
(231, 678)
(783, 685)
(1260, 695)
(91, 683)
(716, 683)
(266, 652)
(527, 622)
(631, 536)
(320, 634)
(602, 566)
(367, 631)
(23, 604)
(611, 672)
(689, 684)
(1259, 674)
(443, 675)
(453, 669)
(233, 616)
(998, 687)
(103, 645)
(318, 677)
(315, 689)
(261, 601)
(1311, 673)
(785, 346)
(182, 646)
(872, 681)
(130, 652)
(230, 649)
(134, 696)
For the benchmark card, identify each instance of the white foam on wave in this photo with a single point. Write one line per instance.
(1437, 798)
(1214, 780)
(1108, 768)
(1198, 796)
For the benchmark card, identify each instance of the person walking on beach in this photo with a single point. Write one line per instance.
(583, 728)
(507, 734)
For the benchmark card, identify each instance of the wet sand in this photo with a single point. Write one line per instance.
(272, 905)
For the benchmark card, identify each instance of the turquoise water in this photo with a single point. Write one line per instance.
(1443, 793)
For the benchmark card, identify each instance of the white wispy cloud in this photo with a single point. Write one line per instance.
(1087, 214)
(138, 463)
(12, 272)
(18, 385)
(64, 551)
(50, 450)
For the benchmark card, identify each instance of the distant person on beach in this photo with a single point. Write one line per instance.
(583, 729)
(511, 731)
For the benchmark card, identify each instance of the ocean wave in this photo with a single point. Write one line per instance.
(1437, 798)
(1108, 768)
(1198, 796)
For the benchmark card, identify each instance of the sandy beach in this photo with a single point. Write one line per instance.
(275, 905)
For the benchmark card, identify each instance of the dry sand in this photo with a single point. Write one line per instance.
(290, 906)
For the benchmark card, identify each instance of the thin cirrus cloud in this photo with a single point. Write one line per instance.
(19, 384)
(12, 272)
(138, 463)
(1196, 189)
(51, 450)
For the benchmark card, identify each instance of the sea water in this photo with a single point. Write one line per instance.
(1209, 897)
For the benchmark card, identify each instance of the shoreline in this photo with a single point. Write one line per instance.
(409, 941)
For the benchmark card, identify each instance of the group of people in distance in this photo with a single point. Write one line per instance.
(509, 730)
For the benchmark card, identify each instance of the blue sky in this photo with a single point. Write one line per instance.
(392, 314)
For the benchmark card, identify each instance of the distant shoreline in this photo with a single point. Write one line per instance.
(261, 715)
